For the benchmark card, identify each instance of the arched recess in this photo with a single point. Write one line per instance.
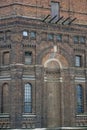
(61, 53)
(54, 64)
(5, 106)
(52, 92)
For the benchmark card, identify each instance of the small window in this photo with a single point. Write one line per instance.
(78, 61)
(25, 33)
(6, 58)
(82, 39)
(55, 10)
(33, 35)
(76, 39)
(50, 36)
(28, 58)
(59, 37)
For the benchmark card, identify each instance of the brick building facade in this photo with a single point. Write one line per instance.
(43, 64)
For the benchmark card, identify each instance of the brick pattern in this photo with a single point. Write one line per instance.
(53, 88)
(40, 9)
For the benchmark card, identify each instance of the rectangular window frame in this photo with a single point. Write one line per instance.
(59, 37)
(82, 39)
(50, 37)
(4, 57)
(33, 35)
(76, 39)
(78, 60)
(28, 98)
(26, 57)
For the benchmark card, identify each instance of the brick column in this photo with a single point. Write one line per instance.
(67, 98)
(39, 86)
(72, 96)
(16, 82)
(53, 98)
(16, 96)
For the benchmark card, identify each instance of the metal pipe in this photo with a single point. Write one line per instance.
(45, 18)
(59, 19)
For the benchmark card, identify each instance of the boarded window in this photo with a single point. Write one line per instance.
(55, 10)
(6, 57)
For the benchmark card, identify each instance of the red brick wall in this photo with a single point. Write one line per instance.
(40, 9)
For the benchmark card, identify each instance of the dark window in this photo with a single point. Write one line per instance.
(76, 39)
(6, 58)
(1, 35)
(50, 36)
(28, 98)
(5, 99)
(8, 34)
(82, 39)
(55, 10)
(33, 35)
(28, 58)
(78, 61)
(79, 95)
(59, 37)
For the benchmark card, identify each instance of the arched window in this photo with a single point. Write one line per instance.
(28, 98)
(79, 95)
(5, 99)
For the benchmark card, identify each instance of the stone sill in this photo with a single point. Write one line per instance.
(28, 115)
(59, 128)
(4, 115)
(82, 115)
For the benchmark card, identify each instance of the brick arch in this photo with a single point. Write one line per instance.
(62, 54)
(53, 63)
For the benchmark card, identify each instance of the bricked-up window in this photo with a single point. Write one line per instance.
(28, 98)
(5, 99)
(28, 58)
(78, 59)
(55, 10)
(79, 96)
(6, 58)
